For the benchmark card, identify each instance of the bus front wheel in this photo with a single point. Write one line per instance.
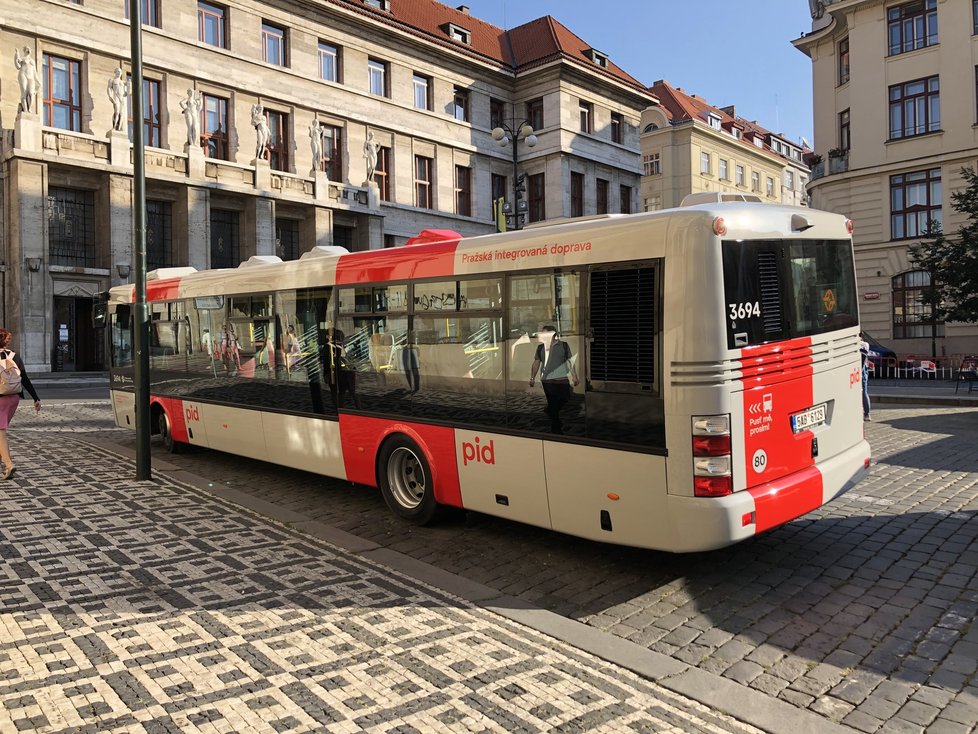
(174, 447)
(405, 481)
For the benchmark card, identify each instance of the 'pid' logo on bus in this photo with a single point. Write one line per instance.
(192, 413)
(478, 453)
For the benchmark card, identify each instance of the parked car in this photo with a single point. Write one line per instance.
(884, 358)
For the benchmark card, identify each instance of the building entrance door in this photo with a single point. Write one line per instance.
(77, 345)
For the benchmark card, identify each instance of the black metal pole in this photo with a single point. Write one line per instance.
(516, 182)
(141, 325)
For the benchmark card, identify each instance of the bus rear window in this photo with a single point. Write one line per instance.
(781, 289)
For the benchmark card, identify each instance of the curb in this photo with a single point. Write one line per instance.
(716, 692)
(937, 400)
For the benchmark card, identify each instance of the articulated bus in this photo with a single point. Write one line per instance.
(711, 388)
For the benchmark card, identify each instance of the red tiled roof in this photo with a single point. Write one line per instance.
(522, 47)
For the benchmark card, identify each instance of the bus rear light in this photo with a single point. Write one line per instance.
(711, 466)
(849, 226)
(712, 486)
(719, 227)
(711, 425)
(711, 445)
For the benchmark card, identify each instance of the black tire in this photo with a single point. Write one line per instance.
(174, 447)
(405, 481)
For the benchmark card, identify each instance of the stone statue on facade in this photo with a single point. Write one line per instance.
(191, 106)
(262, 132)
(316, 145)
(118, 89)
(370, 150)
(27, 78)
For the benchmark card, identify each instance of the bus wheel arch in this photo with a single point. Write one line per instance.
(405, 480)
(161, 424)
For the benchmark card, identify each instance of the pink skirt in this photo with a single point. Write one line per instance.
(8, 406)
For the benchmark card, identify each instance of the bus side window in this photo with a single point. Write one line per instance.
(122, 337)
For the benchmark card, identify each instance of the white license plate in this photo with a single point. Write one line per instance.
(814, 416)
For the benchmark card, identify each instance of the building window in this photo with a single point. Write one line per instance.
(844, 60)
(714, 121)
(534, 113)
(461, 102)
(329, 62)
(705, 165)
(789, 180)
(497, 111)
(538, 197)
(915, 108)
(724, 174)
(577, 194)
(152, 126)
(287, 238)
(332, 152)
(770, 187)
(740, 174)
(159, 234)
(755, 181)
(422, 182)
(974, 16)
(212, 24)
(915, 200)
(651, 164)
(601, 196)
(225, 245)
(498, 186)
(912, 25)
(278, 140)
(457, 33)
(422, 92)
(379, 4)
(150, 10)
(215, 131)
(463, 191)
(71, 227)
(617, 128)
(377, 77)
(844, 130)
(913, 312)
(587, 116)
(274, 45)
(625, 199)
(382, 173)
(653, 203)
(62, 92)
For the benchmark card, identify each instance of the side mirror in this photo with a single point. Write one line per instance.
(100, 311)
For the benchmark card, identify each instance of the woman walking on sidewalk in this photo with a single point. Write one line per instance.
(9, 403)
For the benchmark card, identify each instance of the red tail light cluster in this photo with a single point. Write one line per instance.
(712, 460)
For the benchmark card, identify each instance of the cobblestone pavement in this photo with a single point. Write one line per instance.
(131, 606)
(861, 612)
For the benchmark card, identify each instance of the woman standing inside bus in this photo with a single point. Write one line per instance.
(9, 403)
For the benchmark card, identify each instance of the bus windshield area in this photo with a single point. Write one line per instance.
(783, 289)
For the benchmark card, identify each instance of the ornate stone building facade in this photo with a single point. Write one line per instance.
(261, 123)
(895, 122)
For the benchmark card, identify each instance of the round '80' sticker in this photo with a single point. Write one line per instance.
(759, 461)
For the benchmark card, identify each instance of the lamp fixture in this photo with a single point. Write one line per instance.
(123, 269)
(502, 135)
(33, 263)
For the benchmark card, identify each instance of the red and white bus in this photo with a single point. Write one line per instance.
(710, 390)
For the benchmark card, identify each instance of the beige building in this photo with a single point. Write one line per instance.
(895, 111)
(257, 126)
(690, 146)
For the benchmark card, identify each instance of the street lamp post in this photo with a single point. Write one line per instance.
(504, 134)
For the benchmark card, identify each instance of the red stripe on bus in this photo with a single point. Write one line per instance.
(362, 437)
(398, 263)
(174, 411)
(787, 498)
(161, 290)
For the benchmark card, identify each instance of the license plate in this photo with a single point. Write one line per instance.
(814, 416)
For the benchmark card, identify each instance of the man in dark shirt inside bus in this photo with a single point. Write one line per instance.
(554, 356)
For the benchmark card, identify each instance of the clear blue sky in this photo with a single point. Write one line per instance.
(726, 52)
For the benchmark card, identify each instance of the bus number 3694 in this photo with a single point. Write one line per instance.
(744, 310)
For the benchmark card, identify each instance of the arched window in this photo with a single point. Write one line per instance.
(913, 313)
(650, 127)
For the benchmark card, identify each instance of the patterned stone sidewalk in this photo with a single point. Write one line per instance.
(154, 607)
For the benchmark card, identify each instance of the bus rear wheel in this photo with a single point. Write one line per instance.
(405, 481)
(174, 447)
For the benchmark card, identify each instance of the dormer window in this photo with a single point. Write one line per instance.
(735, 131)
(714, 121)
(379, 4)
(598, 57)
(457, 33)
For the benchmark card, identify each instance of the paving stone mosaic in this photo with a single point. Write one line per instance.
(152, 607)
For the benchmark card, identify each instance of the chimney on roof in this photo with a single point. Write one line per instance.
(729, 110)
(463, 9)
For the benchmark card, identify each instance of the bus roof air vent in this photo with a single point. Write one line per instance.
(324, 251)
(800, 222)
(717, 197)
(260, 260)
(166, 273)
